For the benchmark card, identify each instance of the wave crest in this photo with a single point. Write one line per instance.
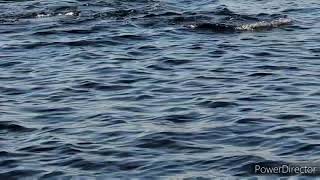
(265, 25)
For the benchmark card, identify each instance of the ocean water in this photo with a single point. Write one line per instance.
(152, 89)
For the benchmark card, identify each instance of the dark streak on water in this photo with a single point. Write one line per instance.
(125, 89)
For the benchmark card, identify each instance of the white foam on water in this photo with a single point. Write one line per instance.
(192, 26)
(69, 14)
(265, 25)
(43, 15)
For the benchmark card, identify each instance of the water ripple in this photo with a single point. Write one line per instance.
(151, 89)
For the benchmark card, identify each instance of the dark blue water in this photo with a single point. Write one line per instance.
(157, 88)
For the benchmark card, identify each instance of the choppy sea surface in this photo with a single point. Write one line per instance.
(157, 88)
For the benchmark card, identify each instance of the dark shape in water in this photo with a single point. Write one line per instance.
(257, 26)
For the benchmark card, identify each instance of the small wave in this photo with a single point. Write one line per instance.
(265, 25)
(213, 27)
(12, 18)
(217, 104)
(8, 21)
(11, 127)
(68, 13)
(42, 15)
(101, 86)
(223, 27)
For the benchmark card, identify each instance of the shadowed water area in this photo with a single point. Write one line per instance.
(157, 88)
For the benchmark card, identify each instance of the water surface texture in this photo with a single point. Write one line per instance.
(157, 88)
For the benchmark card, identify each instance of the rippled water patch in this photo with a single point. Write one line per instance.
(156, 89)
